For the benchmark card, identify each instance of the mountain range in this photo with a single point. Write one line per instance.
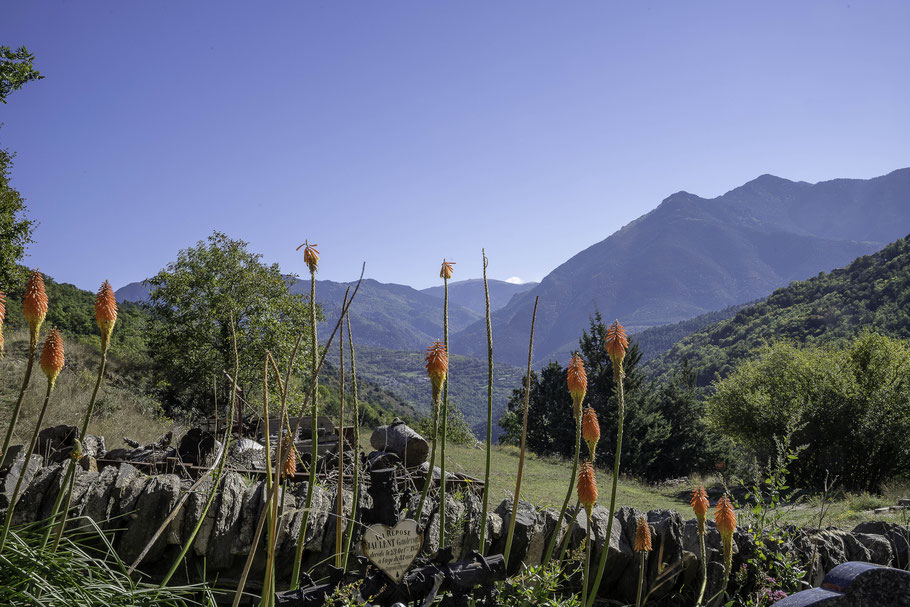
(871, 293)
(693, 255)
(391, 316)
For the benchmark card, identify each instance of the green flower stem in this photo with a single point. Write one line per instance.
(311, 484)
(569, 531)
(350, 529)
(445, 413)
(429, 478)
(524, 441)
(565, 504)
(28, 456)
(339, 527)
(486, 476)
(584, 583)
(25, 380)
(704, 567)
(641, 577)
(617, 378)
(71, 472)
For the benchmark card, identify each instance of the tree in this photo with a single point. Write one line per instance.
(15, 229)
(848, 404)
(553, 429)
(16, 68)
(197, 300)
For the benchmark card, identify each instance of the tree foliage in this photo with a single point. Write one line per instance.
(664, 432)
(848, 404)
(16, 68)
(15, 229)
(871, 292)
(195, 302)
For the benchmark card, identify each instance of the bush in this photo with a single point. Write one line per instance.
(848, 404)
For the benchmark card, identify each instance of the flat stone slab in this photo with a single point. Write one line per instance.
(856, 584)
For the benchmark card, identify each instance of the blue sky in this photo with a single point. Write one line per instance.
(399, 133)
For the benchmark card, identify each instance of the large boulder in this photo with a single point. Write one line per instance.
(156, 501)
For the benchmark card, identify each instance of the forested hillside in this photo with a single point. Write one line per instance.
(873, 292)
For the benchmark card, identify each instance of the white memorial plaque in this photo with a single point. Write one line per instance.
(393, 549)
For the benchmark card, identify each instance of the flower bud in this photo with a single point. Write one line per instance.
(577, 380)
(447, 269)
(642, 536)
(105, 313)
(52, 356)
(34, 306)
(587, 487)
(437, 367)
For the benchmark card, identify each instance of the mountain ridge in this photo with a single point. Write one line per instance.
(693, 255)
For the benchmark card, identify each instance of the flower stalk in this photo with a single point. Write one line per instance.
(616, 345)
(587, 496)
(52, 360)
(524, 440)
(699, 502)
(105, 318)
(34, 308)
(339, 493)
(642, 547)
(725, 519)
(350, 529)
(577, 381)
(437, 367)
(489, 445)
(445, 273)
(311, 259)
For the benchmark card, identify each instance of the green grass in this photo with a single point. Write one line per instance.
(545, 480)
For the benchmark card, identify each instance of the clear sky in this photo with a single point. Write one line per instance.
(399, 133)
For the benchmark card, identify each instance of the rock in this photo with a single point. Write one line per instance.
(469, 536)
(8, 484)
(226, 523)
(154, 504)
(879, 548)
(99, 501)
(199, 448)
(403, 441)
(526, 527)
(667, 554)
(246, 454)
(192, 512)
(93, 446)
(28, 507)
(253, 499)
(56, 443)
(896, 535)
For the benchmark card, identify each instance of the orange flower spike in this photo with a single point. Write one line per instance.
(590, 430)
(290, 460)
(725, 517)
(642, 536)
(34, 306)
(616, 343)
(437, 366)
(700, 505)
(105, 313)
(447, 269)
(310, 256)
(52, 356)
(577, 380)
(587, 487)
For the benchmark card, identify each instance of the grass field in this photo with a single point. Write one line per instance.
(546, 479)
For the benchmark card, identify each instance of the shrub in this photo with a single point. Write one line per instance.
(849, 405)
